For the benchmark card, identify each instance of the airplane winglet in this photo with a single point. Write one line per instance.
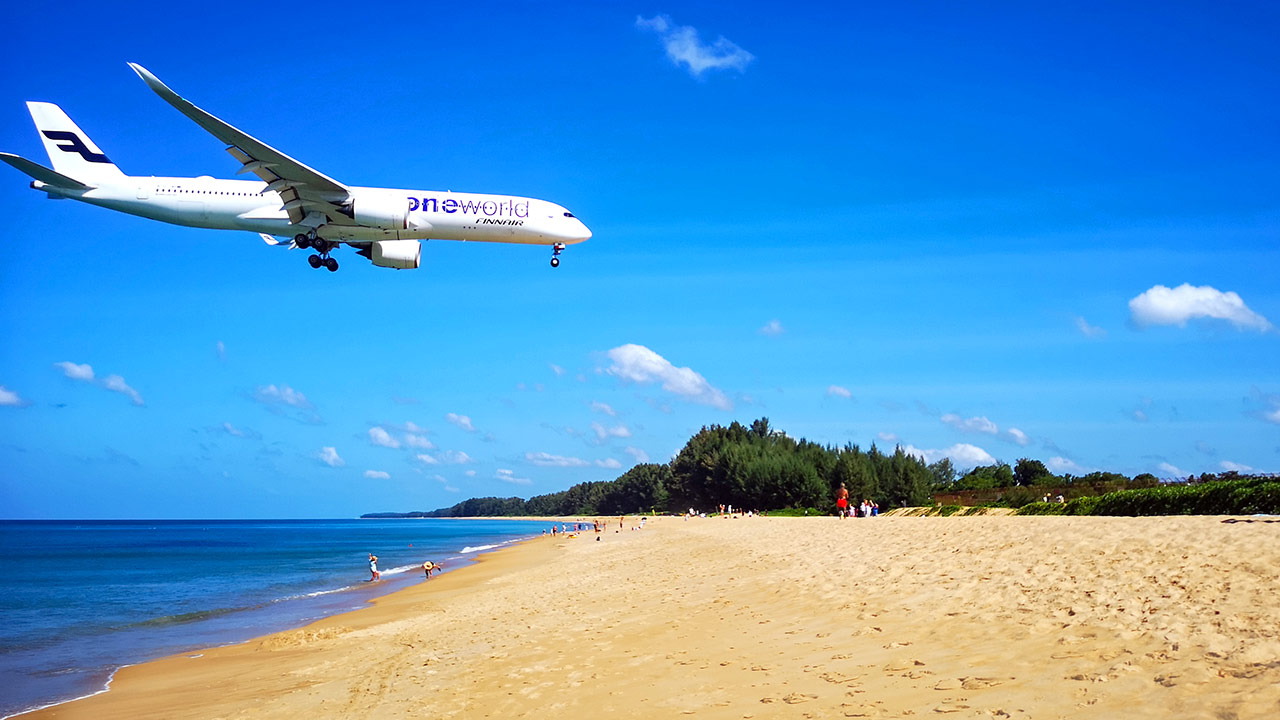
(42, 173)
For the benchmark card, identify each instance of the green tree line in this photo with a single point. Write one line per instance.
(758, 468)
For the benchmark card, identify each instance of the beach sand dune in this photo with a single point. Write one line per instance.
(973, 617)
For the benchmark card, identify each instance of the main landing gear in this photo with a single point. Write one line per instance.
(322, 247)
(555, 254)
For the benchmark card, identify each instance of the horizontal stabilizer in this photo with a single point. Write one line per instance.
(275, 242)
(42, 173)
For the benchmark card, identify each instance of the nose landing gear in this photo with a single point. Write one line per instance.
(555, 254)
(322, 247)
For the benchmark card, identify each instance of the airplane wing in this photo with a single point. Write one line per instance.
(304, 191)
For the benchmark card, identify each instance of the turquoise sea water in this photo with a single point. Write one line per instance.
(79, 599)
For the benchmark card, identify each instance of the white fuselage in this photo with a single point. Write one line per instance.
(207, 202)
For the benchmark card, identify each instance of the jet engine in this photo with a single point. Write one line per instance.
(398, 254)
(385, 211)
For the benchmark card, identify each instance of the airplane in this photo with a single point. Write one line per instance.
(289, 200)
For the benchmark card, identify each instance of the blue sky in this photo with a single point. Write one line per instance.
(983, 231)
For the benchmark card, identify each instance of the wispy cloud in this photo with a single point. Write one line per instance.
(419, 442)
(455, 457)
(427, 459)
(839, 391)
(773, 327)
(1170, 470)
(509, 476)
(74, 371)
(1016, 436)
(887, 437)
(9, 398)
(461, 421)
(639, 455)
(639, 364)
(684, 47)
(1088, 330)
(609, 463)
(1062, 465)
(380, 437)
(603, 408)
(220, 349)
(964, 455)
(1175, 306)
(972, 425)
(114, 383)
(1235, 467)
(329, 456)
(559, 371)
(603, 433)
(542, 459)
(377, 475)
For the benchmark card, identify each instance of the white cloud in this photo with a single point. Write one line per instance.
(470, 473)
(1235, 467)
(559, 371)
(602, 432)
(115, 383)
(964, 455)
(840, 392)
(418, 441)
(683, 46)
(1165, 306)
(74, 371)
(1089, 330)
(1060, 465)
(1017, 436)
(637, 363)
(9, 397)
(281, 395)
(377, 475)
(329, 456)
(461, 421)
(232, 430)
(609, 463)
(382, 438)
(455, 457)
(1272, 415)
(427, 459)
(640, 455)
(603, 408)
(887, 437)
(413, 427)
(773, 327)
(973, 424)
(1139, 415)
(221, 350)
(1170, 470)
(542, 459)
(509, 476)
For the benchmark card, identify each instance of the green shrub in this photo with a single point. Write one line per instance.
(1245, 496)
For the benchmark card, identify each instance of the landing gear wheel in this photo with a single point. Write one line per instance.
(331, 264)
(555, 261)
(302, 241)
(315, 261)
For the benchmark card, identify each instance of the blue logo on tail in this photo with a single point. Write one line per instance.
(74, 145)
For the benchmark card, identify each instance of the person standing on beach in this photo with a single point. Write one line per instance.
(373, 568)
(842, 500)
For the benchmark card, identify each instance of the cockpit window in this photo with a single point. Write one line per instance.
(568, 214)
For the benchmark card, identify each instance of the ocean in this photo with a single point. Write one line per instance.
(80, 599)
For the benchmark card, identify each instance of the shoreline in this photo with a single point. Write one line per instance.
(318, 627)
(84, 665)
(1020, 617)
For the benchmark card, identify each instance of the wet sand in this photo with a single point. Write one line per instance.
(990, 617)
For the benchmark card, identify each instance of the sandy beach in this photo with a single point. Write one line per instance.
(1018, 617)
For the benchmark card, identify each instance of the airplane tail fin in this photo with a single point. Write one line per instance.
(71, 151)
